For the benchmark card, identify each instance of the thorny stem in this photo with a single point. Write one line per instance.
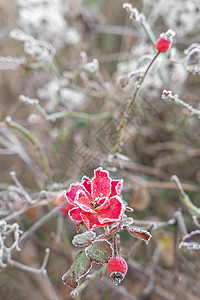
(193, 210)
(127, 110)
(33, 140)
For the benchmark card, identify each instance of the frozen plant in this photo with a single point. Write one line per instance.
(192, 58)
(5, 231)
(97, 203)
(38, 50)
(46, 20)
(167, 95)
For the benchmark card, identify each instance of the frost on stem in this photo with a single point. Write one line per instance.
(167, 95)
(83, 57)
(37, 49)
(5, 231)
(25, 99)
(93, 66)
(132, 11)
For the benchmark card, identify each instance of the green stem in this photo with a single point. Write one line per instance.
(92, 277)
(148, 31)
(127, 110)
(80, 115)
(192, 209)
(115, 245)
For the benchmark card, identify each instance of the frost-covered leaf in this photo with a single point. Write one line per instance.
(191, 240)
(78, 269)
(83, 239)
(100, 252)
(127, 221)
(141, 234)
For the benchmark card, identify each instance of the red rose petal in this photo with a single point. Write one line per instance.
(90, 220)
(83, 200)
(104, 207)
(75, 214)
(116, 187)
(61, 199)
(71, 192)
(115, 213)
(66, 208)
(86, 183)
(101, 184)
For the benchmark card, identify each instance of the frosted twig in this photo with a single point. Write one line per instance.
(181, 223)
(167, 95)
(42, 270)
(155, 260)
(40, 222)
(5, 252)
(21, 189)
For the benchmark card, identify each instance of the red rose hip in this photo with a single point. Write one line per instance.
(164, 42)
(117, 268)
(163, 45)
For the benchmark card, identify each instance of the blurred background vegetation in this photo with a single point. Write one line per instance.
(160, 138)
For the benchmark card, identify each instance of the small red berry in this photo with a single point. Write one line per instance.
(117, 268)
(165, 41)
(162, 45)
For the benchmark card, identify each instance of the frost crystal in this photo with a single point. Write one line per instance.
(133, 12)
(5, 231)
(168, 35)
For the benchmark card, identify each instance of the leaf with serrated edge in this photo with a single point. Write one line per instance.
(100, 252)
(191, 240)
(83, 239)
(78, 269)
(141, 234)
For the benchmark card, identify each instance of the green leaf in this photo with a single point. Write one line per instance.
(83, 239)
(79, 268)
(100, 252)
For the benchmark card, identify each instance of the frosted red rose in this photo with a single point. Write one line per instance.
(96, 202)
